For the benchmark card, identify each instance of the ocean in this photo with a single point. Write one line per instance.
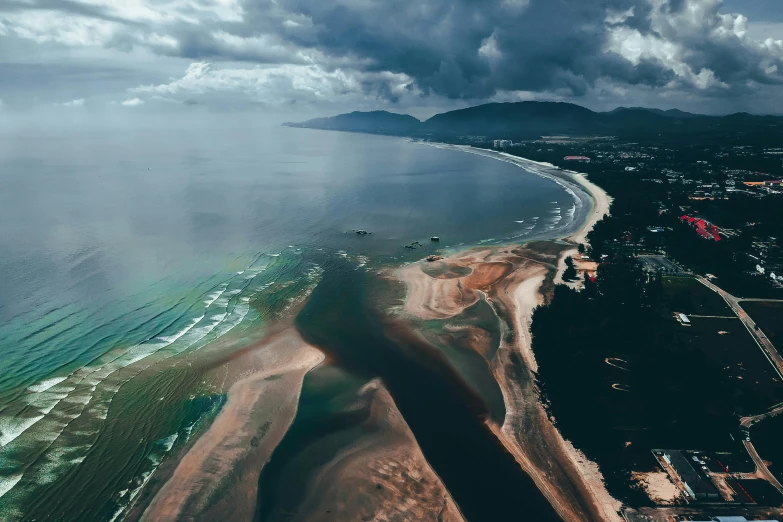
(128, 249)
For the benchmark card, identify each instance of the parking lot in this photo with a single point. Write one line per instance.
(660, 264)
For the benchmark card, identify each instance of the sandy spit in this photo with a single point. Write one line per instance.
(383, 476)
(571, 482)
(261, 405)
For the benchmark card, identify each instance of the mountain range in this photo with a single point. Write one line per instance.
(528, 120)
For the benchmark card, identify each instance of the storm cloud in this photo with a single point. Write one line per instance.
(409, 51)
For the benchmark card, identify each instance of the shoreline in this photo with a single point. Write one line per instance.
(243, 436)
(227, 445)
(600, 201)
(570, 481)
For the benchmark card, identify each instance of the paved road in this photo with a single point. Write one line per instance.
(665, 514)
(747, 422)
(761, 468)
(777, 361)
(762, 340)
(714, 316)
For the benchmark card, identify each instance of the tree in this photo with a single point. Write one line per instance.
(581, 248)
(570, 271)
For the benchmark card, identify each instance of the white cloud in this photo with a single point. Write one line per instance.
(276, 85)
(43, 26)
(281, 51)
(489, 48)
(694, 43)
(618, 17)
(78, 102)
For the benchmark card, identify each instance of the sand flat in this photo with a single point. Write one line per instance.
(573, 484)
(261, 405)
(383, 476)
(510, 279)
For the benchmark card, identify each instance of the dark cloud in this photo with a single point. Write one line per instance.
(473, 49)
(450, 49)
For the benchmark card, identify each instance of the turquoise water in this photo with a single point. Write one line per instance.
(123, 248)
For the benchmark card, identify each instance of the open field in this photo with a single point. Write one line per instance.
(761, 492)
(717, 333)
(688, 296)
(766, 437)
(729, 345)
(768, 315)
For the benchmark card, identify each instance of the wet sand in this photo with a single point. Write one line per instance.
(383, 476)
(217, 479)
(570, 482)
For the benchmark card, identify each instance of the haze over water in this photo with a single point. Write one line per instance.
(123, 247)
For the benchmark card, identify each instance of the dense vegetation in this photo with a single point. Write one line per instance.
(622, 377)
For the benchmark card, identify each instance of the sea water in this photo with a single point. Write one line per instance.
(125, 246)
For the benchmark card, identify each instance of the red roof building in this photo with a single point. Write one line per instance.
(704, 228)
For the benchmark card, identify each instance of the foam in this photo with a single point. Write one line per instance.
(172, 338)
(12, 427)
(46, 384)
(211, 298)
(46, 395)
(8, 483)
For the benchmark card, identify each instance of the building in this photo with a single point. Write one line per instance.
(577, 158)
(502, 144)
(770, 183)
(732, 519)
(684, 319)
(695, 486)
(704, 228)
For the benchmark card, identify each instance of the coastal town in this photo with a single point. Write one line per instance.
(704, 235)
(651, 333)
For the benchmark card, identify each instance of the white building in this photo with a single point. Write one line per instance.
(502, 144)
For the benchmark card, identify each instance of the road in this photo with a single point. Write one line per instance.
(667, 514)
(747, 422)
(761, 468)
(762, 340)
(777, 361)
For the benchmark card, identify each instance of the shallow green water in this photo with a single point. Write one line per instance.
(125, 248)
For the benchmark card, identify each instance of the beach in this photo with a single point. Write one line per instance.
(383, 473)
(261, 405)
(515, 280)
(120, 339)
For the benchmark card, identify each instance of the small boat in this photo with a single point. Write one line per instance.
(434, 238)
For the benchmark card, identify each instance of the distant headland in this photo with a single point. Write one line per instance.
(529, 119)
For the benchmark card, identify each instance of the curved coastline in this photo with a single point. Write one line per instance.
(523, 291)
(571, 482)
(592, 201)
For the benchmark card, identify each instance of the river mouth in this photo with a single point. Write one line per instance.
(448, 419)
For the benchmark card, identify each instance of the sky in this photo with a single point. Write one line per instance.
(317, 57)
